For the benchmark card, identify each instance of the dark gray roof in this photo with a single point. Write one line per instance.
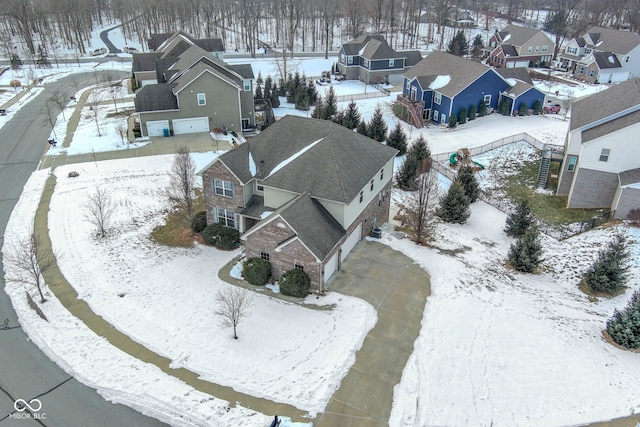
(156, 97)
(517, 35)
(425, 81)
(211, 45)
(518, 73)
(611, 126)
(413, 57)
(618, 41)
(509, 50)
(255, 208)
(629, 177)
(379, 49)
(175, 49)
(606, 103)
(245, 70)
(462, 71)
(314, 225)
(336, 168)
(145, 61)
(580, 41)
(162, 66)
(353, 47)
(157, 39)
(606, 60)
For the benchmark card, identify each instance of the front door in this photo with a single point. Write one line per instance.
(426, 113)
(414, 93)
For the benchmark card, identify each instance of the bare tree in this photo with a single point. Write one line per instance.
(121, 128)
(232, 306)
(99, 208)
(50, 117)
(181, 189)
(59, 99)
(28, 260)
(113, 86)
(421, 202)
(93, 101)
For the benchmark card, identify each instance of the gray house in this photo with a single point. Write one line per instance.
(193, 92)
(370, 59)
(601, 168)
(303, 193)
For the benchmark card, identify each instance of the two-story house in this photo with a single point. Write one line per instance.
(370, 59)
(442, 84)
(194, 92)
(517, 46)
(303, 193)
(603, 55)
(601, 168)
(179, 41)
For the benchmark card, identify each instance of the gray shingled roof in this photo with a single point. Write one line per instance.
(379, 49)
(606, 60)
(629, 177)
(518, 35)
(336, 168)
(176, 48)
(518, 73)
(413, 57)
(211, 45)
(157, 39)
(618, 41)
(611, 126)
(156, 97)
(314, 225)
(462, 71)
(162, 65)
(581, 41)
(606, 103)
(144, 61)
(195, 54)
(509, 50)
(245, 70)
(255, 208)
(353, 47)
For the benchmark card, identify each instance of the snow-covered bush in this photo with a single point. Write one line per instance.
(624, 326)
(524, 255)
(608, 274)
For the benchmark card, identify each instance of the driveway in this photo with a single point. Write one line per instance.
(398, 290)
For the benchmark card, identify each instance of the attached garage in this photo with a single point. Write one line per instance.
(351, 242)
(330, 267)
(195, 125)
(156, 128)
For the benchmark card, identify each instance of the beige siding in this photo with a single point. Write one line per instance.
(353, 209)
(540, 40)
(275, 198)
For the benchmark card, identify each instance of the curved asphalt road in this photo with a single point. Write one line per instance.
(104, 35)
(25, 372)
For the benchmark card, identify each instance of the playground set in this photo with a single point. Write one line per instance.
(462, 158)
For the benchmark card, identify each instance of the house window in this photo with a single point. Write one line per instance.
(366, 63)
(407, 83)
(487, 100)
(604, 154)
(371, 186)
(545, 48)
(260, 188)
(297, 266)
(626, 59)
(264, 256)
(530, 49)
(570, 50)
(381, 174)
(202, 99)
(443, 118)
(435, 115)
(581, 70)
(349, 59)
(592, 73)
(391, 63)
(223, 188)
(587, 50)
(437, 98)
(226, 217)
(500, 61)
(361, 196)
(247, 84)
(342, 57)
(493, 43)
(495, 58)
(571, 165)
(216, 54)
(537, 49)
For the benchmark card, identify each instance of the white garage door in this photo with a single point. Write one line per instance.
(330, 267)
(195, 125)
(351, 242)
(157, 128)
(148, 82)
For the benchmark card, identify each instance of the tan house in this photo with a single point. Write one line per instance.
(517, 46)
(303, 193)
(192, 92)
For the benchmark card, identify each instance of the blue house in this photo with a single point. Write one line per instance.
(442, 84)
(520, 89)
(370, 59)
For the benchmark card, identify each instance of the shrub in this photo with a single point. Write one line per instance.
(199, 222)
(467, 178)
(228, 238)
(624, 326)
(210, 233)
(608, 273)
(472, 112)
(462, 116)
(295, 283)
(454, 206)
(452, 121)
(524, 255)
(519, 221)
(522, 109)
(482, 109)
(537, 107)
(256, 271)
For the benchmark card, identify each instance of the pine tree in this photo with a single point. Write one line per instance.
(467, 178)
(420, 150)
(477, 46)
(318, 112)
(259, 80)
(268, 88)
(458, 45)
(362, 128)
(352, 117)
(462, 116)
(482, 109)
(258, 94)
(15, 61)
(537, 107)
(330, 104)
(338, 117)
(302, 99)
(42, 61)
(452, 121)
(608, 274)
(377, 126)
(406, 174)
(275, 95)
(472, 112)
(624, 326)
(504, 107)
(519, 221)
(524, 254)
(293, 86)
(312, 92)
(454, 206)
(522, 109)
(398, 139)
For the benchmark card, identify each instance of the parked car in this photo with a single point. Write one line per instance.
(128, 49)
(551, 108)
(99, 51)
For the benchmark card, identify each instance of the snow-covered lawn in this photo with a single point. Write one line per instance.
(24, 99)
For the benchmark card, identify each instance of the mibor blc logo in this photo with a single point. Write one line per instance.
(34, 406)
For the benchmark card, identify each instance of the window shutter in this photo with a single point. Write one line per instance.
(215, 215)
(233, 190)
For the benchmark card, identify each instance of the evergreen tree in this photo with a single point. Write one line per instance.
(522, 109)
(472, 112)
(330, 104)
(477, 46)
(608, 274)
(624, 326)
(293, 85)
(524, 254)
(537, 107)
(42, 61)
(458, 45)
(519, 221)
(398, 139)
(312, 92)
(452, 121)
(406, 174)
(302, 99)
(377, 126)
(268, 88)
(482, 109)
(362, 128)
(258, 94)
(504, 107)
(338, 117)
(462, 116)
(352, 116)
(420, 150)
(259, 80)
(275, 95)
(15, 61)
(467, 178)
(318, 112)
(454, 206)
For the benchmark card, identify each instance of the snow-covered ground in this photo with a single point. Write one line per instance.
(24, 98)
